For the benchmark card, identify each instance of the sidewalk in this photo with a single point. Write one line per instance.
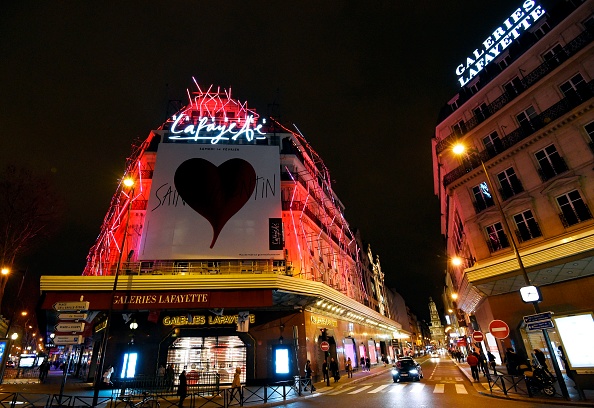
(483, 388)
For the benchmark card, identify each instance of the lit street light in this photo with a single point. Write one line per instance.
(460, 149)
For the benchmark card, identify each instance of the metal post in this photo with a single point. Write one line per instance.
(508, 231)
(102, 349)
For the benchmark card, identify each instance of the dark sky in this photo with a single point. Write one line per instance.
(362, 80)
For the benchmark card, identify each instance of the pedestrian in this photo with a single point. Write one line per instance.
(236, 384)
(349, 368)
(308, 376)
(511, 361)
(169, 374)
(325, 372)
(334, 370)
(368, 364)
(483, 363)
(107, 377)
(473, 361)
(492, 362)
(161, 375)
(542, 361)
(182, 388)
(362, 361)
(43, 370)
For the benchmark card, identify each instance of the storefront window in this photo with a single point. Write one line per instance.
(217, 354)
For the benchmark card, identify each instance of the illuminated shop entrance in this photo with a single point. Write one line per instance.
(207, 355)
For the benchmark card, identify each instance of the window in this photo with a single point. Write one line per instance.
(454, 105)
(514, 86)
(497, 238)
(550, 162)
(458, 232)
(527, 227)
(509, 182)
(589, 22)
(570, 87)
(504, 63)
(525, 117)
(481, 112)
(573, 208)
(482, 197)
(459, 128)
(590, 130)
(542, 30)
(554, 54)
(493, 143)
(473, 88)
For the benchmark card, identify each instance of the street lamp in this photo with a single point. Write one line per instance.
(128, 183)
(460, 149)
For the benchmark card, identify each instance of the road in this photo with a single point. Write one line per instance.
(443, 385)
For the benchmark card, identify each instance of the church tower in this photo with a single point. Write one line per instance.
(437, 329)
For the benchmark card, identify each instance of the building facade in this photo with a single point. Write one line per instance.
(524, 112)
(229, 249)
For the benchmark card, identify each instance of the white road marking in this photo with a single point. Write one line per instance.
(398, 388)
(341, 391)
(439, 389)
(378, 389)
(460, 389)
(360, 389)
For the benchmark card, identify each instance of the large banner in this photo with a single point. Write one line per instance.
(214, 202)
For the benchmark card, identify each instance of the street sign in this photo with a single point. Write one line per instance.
(69, 327)
(544, 324)
(325, 346)
(499, 329)
(72, 316)
(61, 340)
(71, 306)
(538, 317)
(478, 336)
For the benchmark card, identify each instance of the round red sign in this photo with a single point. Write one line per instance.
(499, 329)
(478, 336)
(325, 346)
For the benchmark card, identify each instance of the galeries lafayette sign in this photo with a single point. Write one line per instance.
(502, 37)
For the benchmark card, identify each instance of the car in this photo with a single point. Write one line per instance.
(407, 369)
(10, 364)
(434, 354)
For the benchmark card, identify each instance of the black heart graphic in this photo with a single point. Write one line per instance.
(216, 193)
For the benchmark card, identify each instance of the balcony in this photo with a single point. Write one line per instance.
(529, 80)
(559, 109)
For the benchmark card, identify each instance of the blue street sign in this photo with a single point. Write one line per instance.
(538, 317)
(544, 324)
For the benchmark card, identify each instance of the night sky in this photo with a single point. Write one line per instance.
(363, 81)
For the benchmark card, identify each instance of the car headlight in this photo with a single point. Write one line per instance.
(414, 371)
(394, 371)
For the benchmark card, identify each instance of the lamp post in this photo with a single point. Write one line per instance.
(129, 183)
(460, 149)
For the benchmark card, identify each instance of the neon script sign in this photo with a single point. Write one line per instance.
(208, 129)
(502, 37)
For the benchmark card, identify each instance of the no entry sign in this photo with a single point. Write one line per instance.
(499, 329)
(325, 346)
(478, 336)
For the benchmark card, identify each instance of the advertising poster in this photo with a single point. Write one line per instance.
(214, 202)
(576, 332)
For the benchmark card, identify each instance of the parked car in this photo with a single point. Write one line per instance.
(10, 364)
(407, 369)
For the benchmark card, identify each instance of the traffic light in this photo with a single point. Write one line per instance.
(323, 334)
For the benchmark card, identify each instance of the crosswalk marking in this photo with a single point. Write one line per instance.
(341, 391)
(378, 389)
(360, 389)
(398, 388)
(460, 389)
(417, 387)
(439, 389)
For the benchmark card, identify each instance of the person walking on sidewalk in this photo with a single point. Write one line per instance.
(182, 388)
(473, 362)
(325, 372)
(334, 370)
(349, 368)
(308, 380)
(492, 362)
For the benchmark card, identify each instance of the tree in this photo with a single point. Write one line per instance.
(29, 209)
